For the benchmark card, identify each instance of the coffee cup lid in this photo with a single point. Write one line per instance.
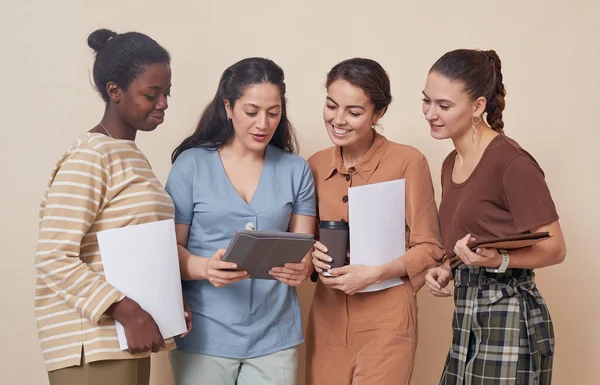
(334, 225)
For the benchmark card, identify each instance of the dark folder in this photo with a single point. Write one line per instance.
(508, 243)
(258, 251)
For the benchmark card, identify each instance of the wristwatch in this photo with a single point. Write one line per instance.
(503, 266)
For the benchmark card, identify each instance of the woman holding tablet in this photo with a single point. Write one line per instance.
(491, 188)
(238, 171)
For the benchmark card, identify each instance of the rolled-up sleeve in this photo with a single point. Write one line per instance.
(424, 241)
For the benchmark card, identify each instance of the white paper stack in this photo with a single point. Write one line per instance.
(141, 261)
(377, 226)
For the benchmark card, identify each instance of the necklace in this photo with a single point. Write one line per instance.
(102, 125)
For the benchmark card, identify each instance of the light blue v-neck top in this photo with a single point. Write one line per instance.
(252, 317)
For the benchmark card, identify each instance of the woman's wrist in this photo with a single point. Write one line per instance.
(202, 267)
(376, 274)
(495, 261)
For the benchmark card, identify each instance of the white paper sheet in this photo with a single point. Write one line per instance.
(141, 261)
(377, 226)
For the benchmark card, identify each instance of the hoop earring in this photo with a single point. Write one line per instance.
(475, 120)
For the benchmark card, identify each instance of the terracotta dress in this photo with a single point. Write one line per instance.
(371, 338)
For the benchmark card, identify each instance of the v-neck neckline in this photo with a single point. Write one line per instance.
(231, 185)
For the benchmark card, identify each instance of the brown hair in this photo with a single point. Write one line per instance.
(481, 73)
(367, 75)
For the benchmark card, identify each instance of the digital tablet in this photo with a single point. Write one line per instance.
(258, 251)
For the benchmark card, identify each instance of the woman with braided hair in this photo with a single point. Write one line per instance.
(491, 187)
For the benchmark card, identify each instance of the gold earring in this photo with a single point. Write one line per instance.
(475, 120)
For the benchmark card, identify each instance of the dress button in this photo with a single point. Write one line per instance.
(250, 226)
(352, 169)
(345, 198)
(348, 177)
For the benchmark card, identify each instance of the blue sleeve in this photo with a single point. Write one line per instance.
(305, 202)
(180, 188)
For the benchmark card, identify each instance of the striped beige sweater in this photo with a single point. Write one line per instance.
(100, 183)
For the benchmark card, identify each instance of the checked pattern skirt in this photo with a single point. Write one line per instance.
(502, 331)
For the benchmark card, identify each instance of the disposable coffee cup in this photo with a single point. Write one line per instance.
(334, 235)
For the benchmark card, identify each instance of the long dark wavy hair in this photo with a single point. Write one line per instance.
(214, 130)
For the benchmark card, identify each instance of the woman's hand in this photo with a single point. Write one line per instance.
(141, 330)
(293, 274)
(216, 271)
(437, 279)
(320, 259)
(187, 313)
(350, 278)
(481, 257)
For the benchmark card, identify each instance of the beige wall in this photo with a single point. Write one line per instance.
(551, 64)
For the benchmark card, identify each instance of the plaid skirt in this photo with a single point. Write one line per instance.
(502, 331)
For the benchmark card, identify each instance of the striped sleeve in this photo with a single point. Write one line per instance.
(77, 191)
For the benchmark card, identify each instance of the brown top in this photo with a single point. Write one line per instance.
(505, 195)
(385, 161)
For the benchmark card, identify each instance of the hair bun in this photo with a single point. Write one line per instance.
(98, 39)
